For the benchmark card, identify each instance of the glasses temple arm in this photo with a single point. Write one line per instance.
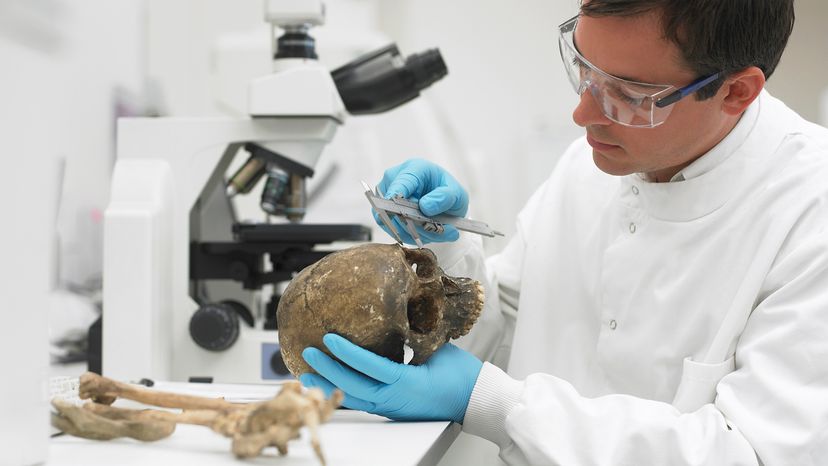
(686, 90)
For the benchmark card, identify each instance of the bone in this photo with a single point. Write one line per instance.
(203, 417)
(102, 389)
(80, 422)
(253, 426)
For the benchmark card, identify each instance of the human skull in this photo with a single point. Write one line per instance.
(379, 296)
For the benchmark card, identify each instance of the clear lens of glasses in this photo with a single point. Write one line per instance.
(626, 102)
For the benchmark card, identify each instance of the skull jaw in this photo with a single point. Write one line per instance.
(452, 318)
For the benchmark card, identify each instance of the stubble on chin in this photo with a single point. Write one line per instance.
(610, 165)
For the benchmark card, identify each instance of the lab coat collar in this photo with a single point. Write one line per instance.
(711, 180)
(720, 152)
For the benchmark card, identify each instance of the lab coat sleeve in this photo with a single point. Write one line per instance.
(543, 420)
(773, 407)
(503, 272)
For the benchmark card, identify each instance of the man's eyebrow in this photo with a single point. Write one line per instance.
(625, 78)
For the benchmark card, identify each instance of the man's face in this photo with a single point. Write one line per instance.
(634, 48)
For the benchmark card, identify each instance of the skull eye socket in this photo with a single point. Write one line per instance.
(424, 270)
(422, 314)
(422, 262)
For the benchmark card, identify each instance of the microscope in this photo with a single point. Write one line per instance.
(183, 277)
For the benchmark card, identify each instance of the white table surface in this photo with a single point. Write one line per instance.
(348, 438)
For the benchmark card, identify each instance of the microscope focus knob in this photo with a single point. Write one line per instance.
(215, 326)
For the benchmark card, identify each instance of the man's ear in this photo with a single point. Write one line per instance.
(740, 89)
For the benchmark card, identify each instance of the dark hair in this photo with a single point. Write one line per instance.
(715, 35)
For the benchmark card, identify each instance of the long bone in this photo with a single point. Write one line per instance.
(104, 390)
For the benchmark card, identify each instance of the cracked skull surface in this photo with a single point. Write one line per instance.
(379, 296)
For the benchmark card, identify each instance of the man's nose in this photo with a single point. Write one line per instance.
(588, 112)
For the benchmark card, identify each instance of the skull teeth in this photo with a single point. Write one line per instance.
(472, 312)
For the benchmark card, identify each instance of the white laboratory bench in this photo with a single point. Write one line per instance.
(348, 438)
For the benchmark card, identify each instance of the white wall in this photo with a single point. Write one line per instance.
(802, 74)
(180, 34)
(28, 199)
(92, 54)
(60, 64)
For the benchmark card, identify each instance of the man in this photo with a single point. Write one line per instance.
(670, 277)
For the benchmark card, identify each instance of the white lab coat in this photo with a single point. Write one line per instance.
(664, 323)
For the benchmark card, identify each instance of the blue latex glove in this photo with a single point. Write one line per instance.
(438, 390)
(433, 188)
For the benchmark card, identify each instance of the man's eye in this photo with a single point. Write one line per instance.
(627, 98)
(580, 64)
(630, 99)
(583, 70)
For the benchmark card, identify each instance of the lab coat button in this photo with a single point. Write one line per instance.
(635, 190)
(632, 227)
(613, 324)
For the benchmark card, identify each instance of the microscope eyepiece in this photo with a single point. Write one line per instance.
(383, 80)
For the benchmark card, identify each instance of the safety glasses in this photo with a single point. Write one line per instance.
(629, 103)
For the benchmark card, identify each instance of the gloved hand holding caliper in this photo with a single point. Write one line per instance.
(426, 202)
